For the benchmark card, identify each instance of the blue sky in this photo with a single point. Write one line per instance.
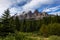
(18, 6)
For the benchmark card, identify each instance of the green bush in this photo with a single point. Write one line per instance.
(10, 38)
(19, 36)
(51, 29)
(54, 38)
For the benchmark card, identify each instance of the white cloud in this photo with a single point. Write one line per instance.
(34, 4)
(16, 10)
(31, 5)
(55, 13)
(4, 4)
(52, 9)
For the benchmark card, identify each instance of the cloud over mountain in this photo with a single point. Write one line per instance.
(18, 6)
(52, 9)
(32, 5)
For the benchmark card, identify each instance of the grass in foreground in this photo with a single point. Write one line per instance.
(28, 36)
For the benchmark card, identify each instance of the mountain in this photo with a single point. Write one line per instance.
(34, 16)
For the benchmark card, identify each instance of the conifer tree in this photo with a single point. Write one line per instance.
(17, 23)
(6, 28)
(5, 18)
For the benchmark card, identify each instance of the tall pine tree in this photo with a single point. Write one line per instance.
(6, 28)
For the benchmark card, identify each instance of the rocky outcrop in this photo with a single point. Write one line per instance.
(35, 16)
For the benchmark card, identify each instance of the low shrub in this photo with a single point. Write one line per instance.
(54, 38)
(51, 29)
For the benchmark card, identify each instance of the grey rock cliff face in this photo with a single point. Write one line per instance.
(36, 15)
